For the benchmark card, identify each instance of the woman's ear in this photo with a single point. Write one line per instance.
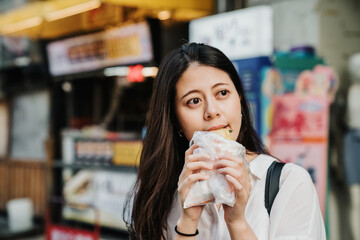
(176, 124)
(181, 133)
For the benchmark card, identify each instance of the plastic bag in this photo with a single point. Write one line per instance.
(216, 188)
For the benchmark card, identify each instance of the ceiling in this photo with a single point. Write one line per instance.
(49, 19)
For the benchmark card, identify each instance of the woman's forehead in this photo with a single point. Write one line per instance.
(202, 74)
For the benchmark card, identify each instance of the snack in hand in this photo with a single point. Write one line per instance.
(226, 133)
(213, 145)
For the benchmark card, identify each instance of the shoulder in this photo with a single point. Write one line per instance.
(295, 173)
(291, 174)
(260, 164)
(295, 180)
(296, 211)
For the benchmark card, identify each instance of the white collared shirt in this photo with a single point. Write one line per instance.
(295, 214)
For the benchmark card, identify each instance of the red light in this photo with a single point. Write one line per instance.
(135, 73)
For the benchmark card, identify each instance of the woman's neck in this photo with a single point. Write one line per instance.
(250, 156)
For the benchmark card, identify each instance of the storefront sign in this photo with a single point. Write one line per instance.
(239, 34)
(55, 232)
(300, 135)
(120, 46)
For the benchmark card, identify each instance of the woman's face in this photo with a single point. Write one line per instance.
(206, 99)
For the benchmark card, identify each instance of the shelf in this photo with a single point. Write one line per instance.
(7, 234)
(98, 166)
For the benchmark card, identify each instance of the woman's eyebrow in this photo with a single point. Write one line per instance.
(197, 91)
(189, 92)
(219, 84)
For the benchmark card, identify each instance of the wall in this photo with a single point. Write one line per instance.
(23, 180)
(291, 28)
(331, 26)
(339, 32)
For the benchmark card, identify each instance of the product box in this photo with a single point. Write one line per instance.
(291, 64)
(127, 153)
(300, 135)
(281, 79)
(250, 74)
(106, 191)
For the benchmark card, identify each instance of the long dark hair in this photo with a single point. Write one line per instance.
(163, 152)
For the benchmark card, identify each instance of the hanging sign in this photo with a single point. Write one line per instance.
(239, 34)
(125, 45)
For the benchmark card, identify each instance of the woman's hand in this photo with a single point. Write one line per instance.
(190, 174)
(237, 175)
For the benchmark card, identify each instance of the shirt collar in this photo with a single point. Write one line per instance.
(260, 164)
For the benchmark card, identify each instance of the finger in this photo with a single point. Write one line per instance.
(194, 167)
(197, 166)
(232, 157)
(190, 166)
(189, 157)
(242, 191)
(241, 176)
(238, 173)
(190, 150)
(236, 184)
(234, 162)
(185, 185)
(232, 172)
(242, 188)
(222, 163)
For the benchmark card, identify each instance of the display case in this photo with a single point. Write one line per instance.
(94, 164)
(99, 105)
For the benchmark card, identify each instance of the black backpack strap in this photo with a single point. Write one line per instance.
(272, 184)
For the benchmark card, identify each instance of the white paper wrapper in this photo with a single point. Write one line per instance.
(216, 188)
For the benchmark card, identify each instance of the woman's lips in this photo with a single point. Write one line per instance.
(217, 127)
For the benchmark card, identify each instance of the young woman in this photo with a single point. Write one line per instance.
(198, 89)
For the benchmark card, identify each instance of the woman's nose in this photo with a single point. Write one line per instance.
(212, 110)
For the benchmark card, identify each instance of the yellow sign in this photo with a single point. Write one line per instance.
(127, 153)
(126, 45)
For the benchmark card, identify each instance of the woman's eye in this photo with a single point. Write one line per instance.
(223, 92)
(193, 101)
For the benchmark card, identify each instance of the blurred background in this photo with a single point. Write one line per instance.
(76, 77)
